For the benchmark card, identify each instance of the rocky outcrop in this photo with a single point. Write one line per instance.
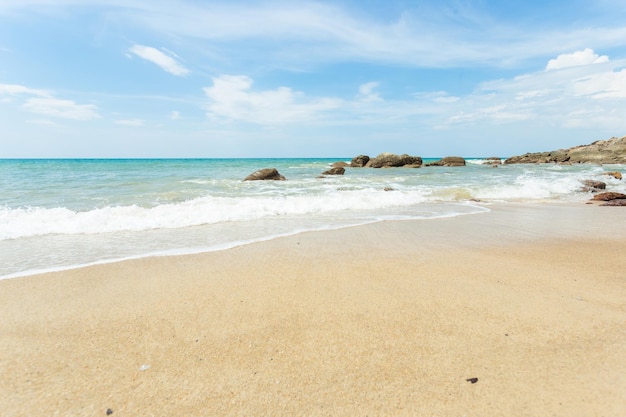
(359, 161)
(611, 199)
(387, 160)
(340, 164)
(449, 161)
(265, 174)
(335, 171)
(611, 151)
(608, 196)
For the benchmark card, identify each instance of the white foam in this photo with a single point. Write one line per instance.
(24, 222)
(68, 261)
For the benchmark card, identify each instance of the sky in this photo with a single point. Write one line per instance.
(231, 78)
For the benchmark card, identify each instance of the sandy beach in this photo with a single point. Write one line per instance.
(516, 312)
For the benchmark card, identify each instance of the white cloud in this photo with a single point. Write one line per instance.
(367, 93)
(299, 33)
(166, 62)
(231, 97)
(174, 115)
(440, 97)
(130, 122)
(296, 34)
(45, 103)
(43, 122)
(590, 96)
(496, 113)
(66, 109)
(16, 89)
(584, 57)
(603, 85)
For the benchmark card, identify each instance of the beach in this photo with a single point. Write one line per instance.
(515, 312)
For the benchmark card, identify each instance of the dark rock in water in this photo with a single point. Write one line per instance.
(591, 185)
(611, 151)
(360, 161)
(335, 171)
(388, 160)
(265, 174)
(448, 161)
(340, 164)
(608, 196)
(616, 202)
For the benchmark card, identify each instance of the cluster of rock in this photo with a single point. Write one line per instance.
(611, 199)
(611, 151)
(389, 160)
(384, 160)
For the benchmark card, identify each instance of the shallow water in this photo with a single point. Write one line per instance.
(56, 214)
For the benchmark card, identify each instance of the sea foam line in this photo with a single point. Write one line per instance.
(230, 245)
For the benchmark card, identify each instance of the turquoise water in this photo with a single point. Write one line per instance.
(57, 214)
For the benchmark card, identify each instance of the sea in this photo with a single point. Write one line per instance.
(60, 214)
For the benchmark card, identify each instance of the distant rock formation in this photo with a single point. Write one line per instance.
(611, 151)
(387, 160)
(448, 161)
(265, 174)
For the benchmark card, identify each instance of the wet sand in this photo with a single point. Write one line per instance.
(389, 319)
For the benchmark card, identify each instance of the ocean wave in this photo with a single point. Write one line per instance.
(37, 221)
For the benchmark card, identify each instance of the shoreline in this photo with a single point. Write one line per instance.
(389, 318)
(486, 206)
(195, 250)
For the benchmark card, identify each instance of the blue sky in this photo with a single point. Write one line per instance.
(224, 78)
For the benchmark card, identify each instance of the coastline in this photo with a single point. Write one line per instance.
(389, 318)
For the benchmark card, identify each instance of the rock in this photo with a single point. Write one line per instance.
(608, 196)
(359, 161)
(449, 161)
(335, 171)
(265, 174)
(493, 160)
(386, 160)
(340, 164)
(611, 151)
(614, 174)
(559, 156)
(616, 202)
(592, 185)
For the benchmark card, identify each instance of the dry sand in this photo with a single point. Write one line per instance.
(389, 319)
